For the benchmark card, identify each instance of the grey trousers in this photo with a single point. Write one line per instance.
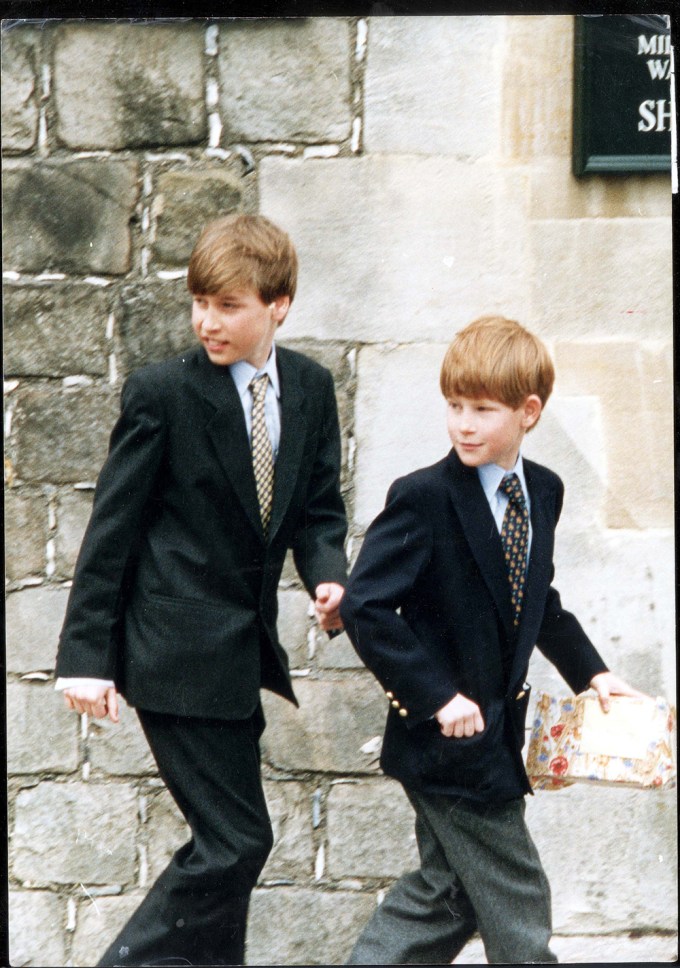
(480, 871)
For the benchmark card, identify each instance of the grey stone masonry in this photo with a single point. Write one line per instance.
(70, 216)
(129, 85)
(422, 167)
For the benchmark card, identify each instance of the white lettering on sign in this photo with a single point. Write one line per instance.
(658, 44)
(659, 70)
(655, 115)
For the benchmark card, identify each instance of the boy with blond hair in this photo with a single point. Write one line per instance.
(449, 595)
(222, 459)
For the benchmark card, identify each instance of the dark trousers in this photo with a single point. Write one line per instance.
(195, 913)
(480, 871)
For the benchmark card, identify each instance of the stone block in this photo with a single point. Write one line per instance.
(19, 103)
(633, 379)
(336, 653)
(556, 194)
(290, 810)
(55, 330)
(293, 623)
(326, 733)
(370, 830)
(154, 323)
(537, 71)
(397, 431)
(590, 949)
(62, 436)
(36, 928)
(73, 513)
(26, 523)
(98, 922)
(285, 79)
(614, 281)
(579, 831)
(74, 833)
(34, 618)
(399, 247)
(70, 216)
(433, 85)
(120, 85)
(166, 831)
(119, 749)
(320, 927)
(184, 202)
(35, 711)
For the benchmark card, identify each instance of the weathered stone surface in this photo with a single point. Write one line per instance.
(400, 248)
(165, 831)
(74, 833)
(578, 831)
(129, 85)
(42, 735)
(73, 513)
(25, 533)
(285, 79)
(55, 331)
(292, 625)
(433, 85)
(119, 748)
(537, 71)
(34, 618)
(370, 830)
(184, 202)
(556, 194)
(71, 216)
(334, 721)
(588, 949)
(154, 323)
(614, 280)
(320, 928)
(19, 107)
(98, 922)
(400, 419)
(290, 810)
(336, 653)
(36, 922)
(634, 382)
(62, 436)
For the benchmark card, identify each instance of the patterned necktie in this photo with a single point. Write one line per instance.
(263, 455)
(515, 538)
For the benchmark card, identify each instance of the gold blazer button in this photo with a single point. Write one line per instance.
(521, 694)
(403, 712)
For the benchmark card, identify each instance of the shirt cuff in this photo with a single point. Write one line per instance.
(75, 683)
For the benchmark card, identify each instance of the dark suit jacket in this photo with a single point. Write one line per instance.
(428, 609)
(174, 594)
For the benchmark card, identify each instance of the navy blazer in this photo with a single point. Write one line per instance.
(428, 609)
(175, 589)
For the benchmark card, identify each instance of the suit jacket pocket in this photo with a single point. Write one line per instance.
(448, 757)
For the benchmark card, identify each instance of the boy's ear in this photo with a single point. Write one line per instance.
(279, 308)
(531, 411)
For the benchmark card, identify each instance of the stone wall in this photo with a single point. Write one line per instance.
(422, 166)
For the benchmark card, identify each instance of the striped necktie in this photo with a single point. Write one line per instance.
(263, 455)
(515, 539)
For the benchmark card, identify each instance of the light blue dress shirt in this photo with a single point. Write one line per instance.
(242, 374)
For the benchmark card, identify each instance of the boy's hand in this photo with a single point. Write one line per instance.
(460, 717)
(606, 684)
(326, 607)
(96, 701)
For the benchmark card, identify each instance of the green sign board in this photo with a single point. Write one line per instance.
(622, 94)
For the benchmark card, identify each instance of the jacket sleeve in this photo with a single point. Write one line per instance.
(87, 646)
(562, 639)
(318, 543)
(393, 558)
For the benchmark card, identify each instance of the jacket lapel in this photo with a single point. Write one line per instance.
(481, 533)
(226, 427)
(293, 435)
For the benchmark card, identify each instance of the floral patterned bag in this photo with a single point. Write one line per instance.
(573, 741)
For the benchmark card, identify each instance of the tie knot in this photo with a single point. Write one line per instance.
(258, 387)
(511, 486)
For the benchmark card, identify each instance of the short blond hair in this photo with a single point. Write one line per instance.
(243, 252)
(497, 358)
